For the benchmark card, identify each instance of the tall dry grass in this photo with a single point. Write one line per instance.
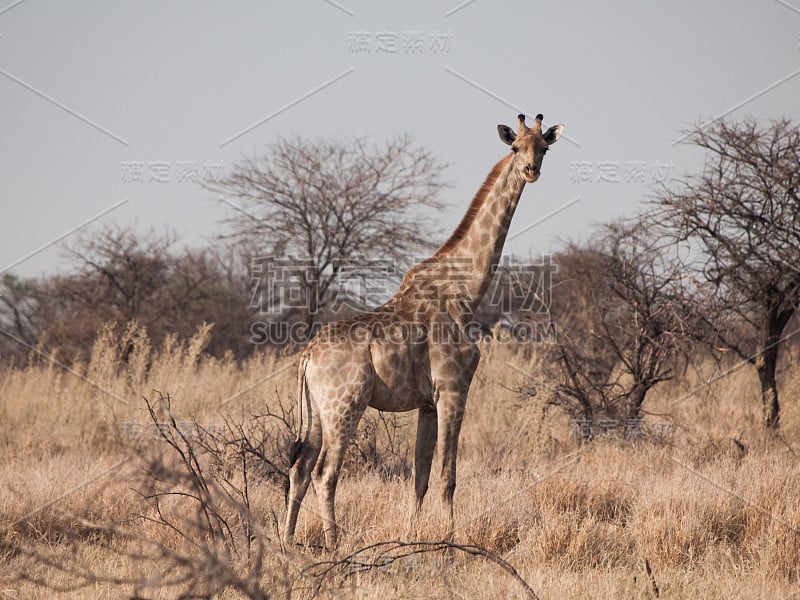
(713, 509)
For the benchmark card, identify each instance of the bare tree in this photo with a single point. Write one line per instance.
(739, 221)
(621, 321)
(325, 205)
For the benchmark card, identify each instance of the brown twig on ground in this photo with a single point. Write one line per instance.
(386, 553)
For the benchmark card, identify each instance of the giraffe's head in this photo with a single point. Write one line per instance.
(529, 145)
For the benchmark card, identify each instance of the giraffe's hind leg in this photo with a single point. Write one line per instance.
(336, 437)
(300, 476)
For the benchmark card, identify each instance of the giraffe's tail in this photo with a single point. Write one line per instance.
(302, 401)
(296, 447)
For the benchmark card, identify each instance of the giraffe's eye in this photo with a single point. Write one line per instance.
(514, 149)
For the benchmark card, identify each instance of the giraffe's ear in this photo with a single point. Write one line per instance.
(506, 134)
(551, 135)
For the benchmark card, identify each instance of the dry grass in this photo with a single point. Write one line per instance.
(715, 510)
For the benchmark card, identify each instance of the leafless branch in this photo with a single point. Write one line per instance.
(738, 224)
(328, 203)
(381, 555)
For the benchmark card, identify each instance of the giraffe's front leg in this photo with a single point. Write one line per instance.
(450, 411)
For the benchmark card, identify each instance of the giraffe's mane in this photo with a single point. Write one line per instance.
(473, 209)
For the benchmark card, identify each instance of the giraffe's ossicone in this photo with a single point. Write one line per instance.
(413, 352)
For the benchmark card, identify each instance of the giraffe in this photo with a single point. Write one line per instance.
(411, 353)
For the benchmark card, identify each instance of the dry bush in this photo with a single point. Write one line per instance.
(191, 534)
(381, 445)
(120, 275)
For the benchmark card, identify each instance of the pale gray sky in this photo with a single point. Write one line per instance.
(91, 89)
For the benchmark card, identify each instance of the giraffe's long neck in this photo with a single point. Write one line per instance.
(469, 257)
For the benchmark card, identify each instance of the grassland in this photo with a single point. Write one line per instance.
(711, 505)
